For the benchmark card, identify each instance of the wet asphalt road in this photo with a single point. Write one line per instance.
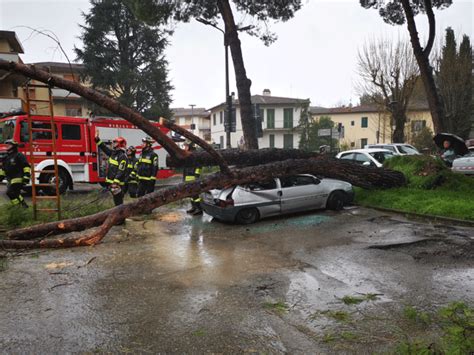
(179, 284)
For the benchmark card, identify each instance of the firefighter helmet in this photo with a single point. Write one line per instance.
(131, 150)
(13, 145)
(120, 142)
(147, 140)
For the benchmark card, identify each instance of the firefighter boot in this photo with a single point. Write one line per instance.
(24, 204)
(193, 208)
(198, 209)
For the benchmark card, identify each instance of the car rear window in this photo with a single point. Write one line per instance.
(260, 186)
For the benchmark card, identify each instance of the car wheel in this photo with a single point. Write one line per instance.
(336, 201)
(247, 216)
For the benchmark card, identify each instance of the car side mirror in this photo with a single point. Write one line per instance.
(366, 163)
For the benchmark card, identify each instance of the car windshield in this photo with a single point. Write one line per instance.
(381, 156)
(406, 149)
(7, 130)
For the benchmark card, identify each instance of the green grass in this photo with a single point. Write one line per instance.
(72, 206)
(432, 189)
(352, 300)
(340, 316)
(278, 307)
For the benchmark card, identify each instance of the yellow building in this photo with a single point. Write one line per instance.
(368, 124)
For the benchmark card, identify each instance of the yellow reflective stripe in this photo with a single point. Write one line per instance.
(2, 172)
(99, 142)
(153, 178)
(15, 201)
(16, 181)
(197, 171)
(142, 160)
(189, 178)
(130, 166)
(144, 178)
(110, 181)
(199, 199)
(113, 161)
(117, 181)
(27, 169)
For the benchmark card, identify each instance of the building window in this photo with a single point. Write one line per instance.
(417, 125)
(73, 110)
(271, 139)
(221, 142)
(221, 115)
(353, 144)
(270, 118)
(287, 141)
(214, 119)
(352, 123)
(364, 122)
(71, 132)
(287, 118)
(363, 142)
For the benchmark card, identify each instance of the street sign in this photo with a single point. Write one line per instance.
(324, 132)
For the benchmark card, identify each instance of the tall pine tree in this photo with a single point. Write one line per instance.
(454, 78)
(124, 58)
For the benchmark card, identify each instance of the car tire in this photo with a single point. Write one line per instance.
(48, 178)
(336, 201)
(247, 216)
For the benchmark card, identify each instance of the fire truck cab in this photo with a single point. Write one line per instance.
(79, 159)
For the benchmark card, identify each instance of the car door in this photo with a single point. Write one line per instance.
(263, 195)
(363, 159)
(299, 193)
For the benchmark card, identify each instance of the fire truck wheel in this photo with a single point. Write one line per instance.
(48, 178)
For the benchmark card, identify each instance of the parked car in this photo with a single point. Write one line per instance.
(367, 157)
(464, 164)
(248, 203)
(396, 148)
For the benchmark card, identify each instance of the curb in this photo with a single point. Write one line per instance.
(432, 218)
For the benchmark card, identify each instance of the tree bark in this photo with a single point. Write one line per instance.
(358, 175)
(102, 100)
(422, 58)
(399, 132)
(243, 83)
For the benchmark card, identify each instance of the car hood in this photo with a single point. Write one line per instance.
(338, 183)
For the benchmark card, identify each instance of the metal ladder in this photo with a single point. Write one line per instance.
(53, 181)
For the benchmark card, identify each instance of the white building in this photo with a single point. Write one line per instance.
(196, 120)
(281, 116)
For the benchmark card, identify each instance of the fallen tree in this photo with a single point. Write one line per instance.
(328, 167)
(281, 162)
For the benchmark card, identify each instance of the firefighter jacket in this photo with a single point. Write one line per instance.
(191, 174)
(132, 170)
(15, 168)
(117, 164)
(147, 165)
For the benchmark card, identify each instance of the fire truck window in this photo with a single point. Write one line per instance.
(71, 132)
(36, 134)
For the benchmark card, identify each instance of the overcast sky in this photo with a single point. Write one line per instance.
(314, 57)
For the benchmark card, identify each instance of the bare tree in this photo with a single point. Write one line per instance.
(388, 72)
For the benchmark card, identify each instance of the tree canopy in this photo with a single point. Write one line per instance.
(124, 57)
(454, 78)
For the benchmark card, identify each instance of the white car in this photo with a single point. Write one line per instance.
(396, 148)
(367, 157)
(248, 203)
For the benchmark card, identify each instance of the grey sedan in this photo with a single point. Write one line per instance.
(248, 203)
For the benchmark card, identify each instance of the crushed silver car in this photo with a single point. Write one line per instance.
(464, 164)
(248, 203)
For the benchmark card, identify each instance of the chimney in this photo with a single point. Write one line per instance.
(267, 92)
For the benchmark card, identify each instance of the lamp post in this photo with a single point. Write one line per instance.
(228, 97)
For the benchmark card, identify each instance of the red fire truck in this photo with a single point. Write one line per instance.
(79, 160)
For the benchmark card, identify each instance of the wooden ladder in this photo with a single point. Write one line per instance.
(52, 181)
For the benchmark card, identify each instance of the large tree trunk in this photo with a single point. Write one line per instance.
(243, 83)
(339, 169)
(422, 58)
(399, 119)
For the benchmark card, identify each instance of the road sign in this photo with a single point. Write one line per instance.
(324, 132)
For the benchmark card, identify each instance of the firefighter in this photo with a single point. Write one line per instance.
(192, 174)
(16, 169)
(132, 183)
(117, 166)
(147, 168)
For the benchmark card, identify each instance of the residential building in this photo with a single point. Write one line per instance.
(65, 103)
(195, 119)
(279, 115)
(10, 50)
(369, 124)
